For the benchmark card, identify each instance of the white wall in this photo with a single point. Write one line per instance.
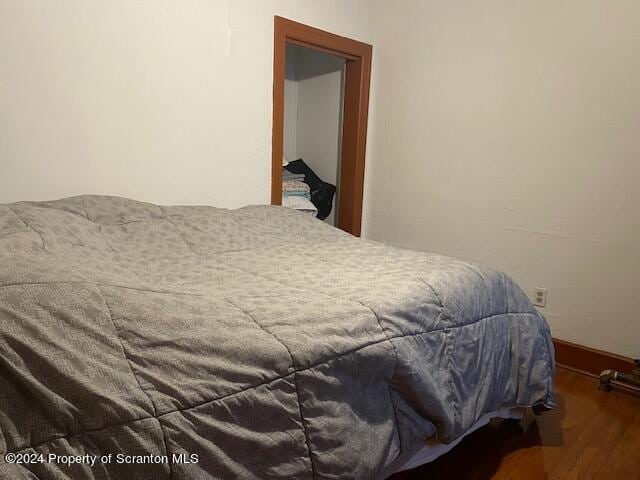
(509, 133)
(503, 132)
(163, 101)
(290, 104)
(320, 114)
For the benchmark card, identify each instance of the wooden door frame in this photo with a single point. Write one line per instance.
(357, 79)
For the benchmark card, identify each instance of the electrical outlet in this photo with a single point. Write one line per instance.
(539, 297)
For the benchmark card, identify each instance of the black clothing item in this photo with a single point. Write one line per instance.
(321, 192)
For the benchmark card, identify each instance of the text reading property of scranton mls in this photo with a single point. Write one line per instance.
(119, 458)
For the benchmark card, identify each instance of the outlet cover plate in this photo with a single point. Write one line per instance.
(540, 297)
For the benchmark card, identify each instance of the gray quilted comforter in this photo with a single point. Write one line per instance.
(259, 343)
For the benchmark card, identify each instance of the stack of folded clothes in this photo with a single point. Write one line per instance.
(296, 193)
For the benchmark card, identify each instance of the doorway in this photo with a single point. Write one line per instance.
(313, 104)
(338, 59)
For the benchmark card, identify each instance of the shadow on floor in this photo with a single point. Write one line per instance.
(480, 454)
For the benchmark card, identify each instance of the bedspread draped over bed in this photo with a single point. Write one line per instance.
(265, 342)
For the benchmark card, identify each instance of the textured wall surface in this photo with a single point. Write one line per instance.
(162, 101)
(508, 133)
(501, 132)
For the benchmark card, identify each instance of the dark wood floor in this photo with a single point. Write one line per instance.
(592, 435)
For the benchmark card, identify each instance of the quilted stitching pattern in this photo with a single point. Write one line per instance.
(267, 342)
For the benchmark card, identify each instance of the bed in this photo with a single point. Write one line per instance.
(146, 342)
